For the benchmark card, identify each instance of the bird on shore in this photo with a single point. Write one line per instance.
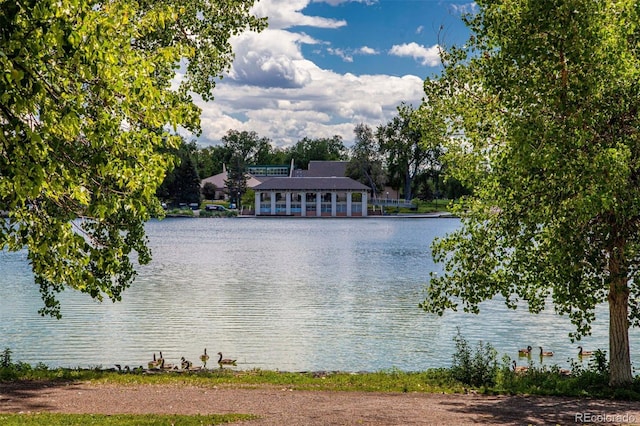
(204, 358)
(185, 364)
(225, 361)
(165, 365)
(518, 369)
(543, 353)
(582, 352)
(525, 352)
(155, 363)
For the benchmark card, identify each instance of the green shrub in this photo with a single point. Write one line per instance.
(474, 369)
(213, 213)
(5, 358)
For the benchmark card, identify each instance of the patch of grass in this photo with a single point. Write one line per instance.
(485, 376)
(52, 419)
(179, 212)
(433, 380)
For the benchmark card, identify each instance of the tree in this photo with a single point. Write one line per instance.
(322, 149)
(543, 107)
(366, 163)
(88, 111)
(243, 148)
(182, 184)
(236, 181)
(209, 191)
(247, 147)
(408, 153)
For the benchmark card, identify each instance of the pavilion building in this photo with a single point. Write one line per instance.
(311, 197)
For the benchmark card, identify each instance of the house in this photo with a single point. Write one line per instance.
(311, 196)
(321, 190)
(218, 181)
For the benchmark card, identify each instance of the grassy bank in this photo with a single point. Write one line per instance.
(503, 380)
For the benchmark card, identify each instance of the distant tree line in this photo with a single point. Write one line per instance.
(403, 154)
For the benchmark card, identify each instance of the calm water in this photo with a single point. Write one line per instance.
(287, 294)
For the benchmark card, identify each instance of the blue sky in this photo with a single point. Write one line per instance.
(324, 66)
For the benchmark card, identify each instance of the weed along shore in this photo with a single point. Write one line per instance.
(476, 389)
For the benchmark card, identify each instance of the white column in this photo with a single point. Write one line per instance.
(273, 203)
(288, 198)
(349, 201)
(303, 204)
(334, 200)
(258, 199)
(364, 204)
(318, 204)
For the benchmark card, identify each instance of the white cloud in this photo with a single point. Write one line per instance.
(287, 13)
(340, 53)
(330, 104)
(365, 50)
(463, 9)
(347, 54)
(274, 90)
(337, 2)
(270, 59)
(428, 56)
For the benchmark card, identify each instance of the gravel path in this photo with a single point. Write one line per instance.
(277, 406)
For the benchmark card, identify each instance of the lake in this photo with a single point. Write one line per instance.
(289, 294)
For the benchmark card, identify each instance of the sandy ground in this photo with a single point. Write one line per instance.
(282, 406)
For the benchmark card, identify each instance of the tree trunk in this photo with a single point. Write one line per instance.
(619, 353)
(407, 186)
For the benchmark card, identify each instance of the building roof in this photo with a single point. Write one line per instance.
(312, 184)
(324, 169)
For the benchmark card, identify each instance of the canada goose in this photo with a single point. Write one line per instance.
(204, 358)
(525, 352)
(155, 363)
(542, 353)
(165, 365)
(582, 353)
(185, 364)
(225, 361)
(518, 368)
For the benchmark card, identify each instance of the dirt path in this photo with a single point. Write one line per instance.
(286, 407)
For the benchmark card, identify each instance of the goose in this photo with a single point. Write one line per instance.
(518, 368)
(164, 365)
(225, 361)
(525, 352)
(185, 364)
(582, 352)
(204, 358)
(542, 353)
(155, 363)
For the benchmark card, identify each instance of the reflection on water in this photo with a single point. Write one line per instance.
(287, 294)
